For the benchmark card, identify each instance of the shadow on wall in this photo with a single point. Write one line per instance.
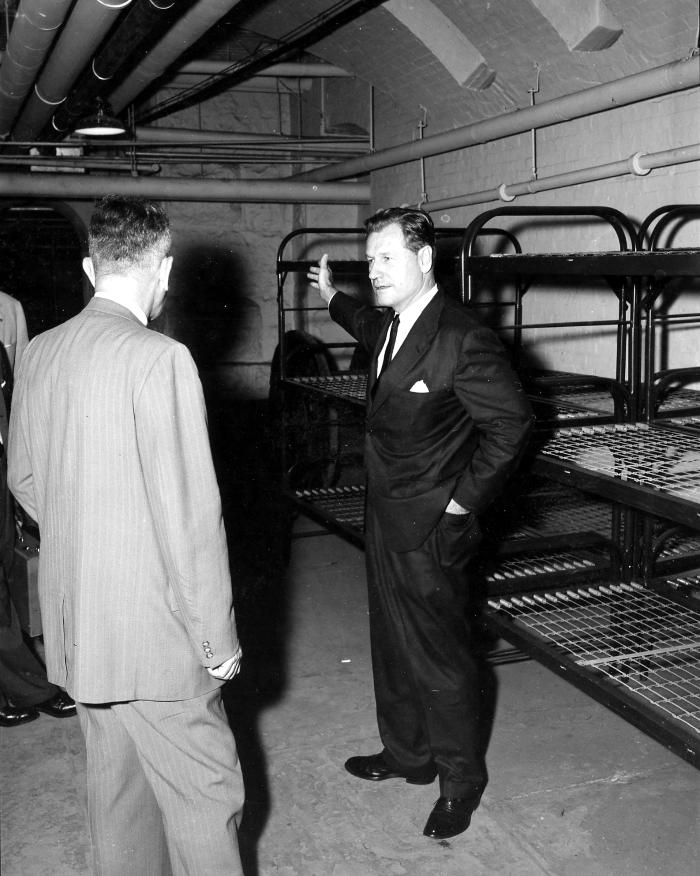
(208, 310)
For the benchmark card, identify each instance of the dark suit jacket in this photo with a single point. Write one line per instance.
(109, 453)
(459, 440)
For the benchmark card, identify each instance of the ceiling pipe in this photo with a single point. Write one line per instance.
(190, 135)
(291, 69)
(130, 37)
(639, 164)
(32, 33)
(672, 77)
(304, 35)
(85, 29)
(67, 186)
(183, 34)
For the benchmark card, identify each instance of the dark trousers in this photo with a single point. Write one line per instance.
(23, 679)
(426, 678)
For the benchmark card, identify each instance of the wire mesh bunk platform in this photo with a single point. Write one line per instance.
(631, 648)
(348, 386)
(649, 467)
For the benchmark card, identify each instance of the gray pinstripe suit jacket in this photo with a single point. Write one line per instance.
(109, 453)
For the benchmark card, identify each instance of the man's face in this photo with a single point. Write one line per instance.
(398, 275)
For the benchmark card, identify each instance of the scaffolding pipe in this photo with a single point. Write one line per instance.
(638, 164)
(676, 76)
(67, 186)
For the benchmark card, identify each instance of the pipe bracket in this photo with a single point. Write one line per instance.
(635, 166)
(503, 194)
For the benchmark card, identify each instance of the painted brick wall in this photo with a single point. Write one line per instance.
(651, 126)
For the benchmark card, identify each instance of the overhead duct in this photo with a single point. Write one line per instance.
(82, 34)
(33, 31)
(68, 186)
(183, 34)
(668, 78)
(128, 38)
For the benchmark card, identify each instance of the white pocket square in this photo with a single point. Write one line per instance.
(420, 386)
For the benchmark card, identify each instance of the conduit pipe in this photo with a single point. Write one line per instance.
(291, 69)
(32, 33)
(676, 76)
(79, 187)
(84, 31)
(638, 164)
(184, 33)
(191, 135)
(129, 37)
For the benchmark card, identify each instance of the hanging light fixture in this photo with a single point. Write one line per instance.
(101, 123)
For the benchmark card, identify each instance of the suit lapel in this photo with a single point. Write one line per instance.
(413, 348)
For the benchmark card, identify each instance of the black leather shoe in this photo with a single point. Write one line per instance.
(11, 716)
(375, 769)
(59, 706)
(450, 816)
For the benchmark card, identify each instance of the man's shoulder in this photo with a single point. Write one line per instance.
(455, 313)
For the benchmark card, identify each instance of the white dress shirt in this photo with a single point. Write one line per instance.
(407, 320)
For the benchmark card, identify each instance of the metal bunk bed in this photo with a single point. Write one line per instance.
(632, 641)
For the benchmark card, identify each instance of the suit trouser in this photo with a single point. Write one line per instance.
(23, 679)
(426, 679)
(164, 788)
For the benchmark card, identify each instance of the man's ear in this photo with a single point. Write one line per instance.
(89, 269)
(425, 258)
(164, 271)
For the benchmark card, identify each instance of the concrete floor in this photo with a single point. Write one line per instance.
(574, 789)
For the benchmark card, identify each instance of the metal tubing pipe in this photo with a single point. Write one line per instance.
(31, 36)
(184, 33)
(189, 135)
(637, 164)
(291, 69)
(83, 32)
(128, 38)
(79, 187)
(676, 76)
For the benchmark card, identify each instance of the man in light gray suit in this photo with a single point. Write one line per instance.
(109, 453)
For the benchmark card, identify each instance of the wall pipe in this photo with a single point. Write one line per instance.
(85, 29)
(79, 187)
(638, 164)
(676, 76)
(32, 33)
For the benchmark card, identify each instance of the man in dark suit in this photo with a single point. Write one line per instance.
(109, 453)
(24, 689)
(446, 421)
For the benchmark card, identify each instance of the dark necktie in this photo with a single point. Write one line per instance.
(389, 352)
